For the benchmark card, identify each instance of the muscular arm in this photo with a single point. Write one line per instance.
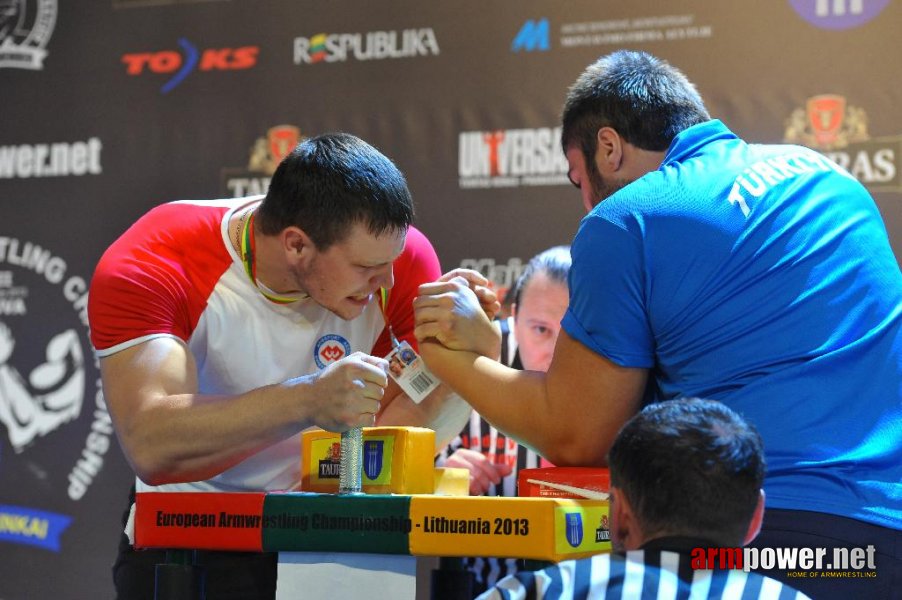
(569, 415)
(171, 433)
(442, 410)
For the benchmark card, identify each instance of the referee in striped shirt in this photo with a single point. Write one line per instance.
(685, 474)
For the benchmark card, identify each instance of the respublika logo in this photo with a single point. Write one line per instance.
(511, 158)
(265, 155)
(189, 59)
(373, 45)
(830, 124)
(534, 35)
(838, 14)
(25, 29)
(59, 159)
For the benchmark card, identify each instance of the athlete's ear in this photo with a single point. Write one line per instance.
(296, 243)
(609, 152)
(757, 519)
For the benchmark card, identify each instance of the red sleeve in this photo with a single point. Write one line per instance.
(156, 278)
(417, 264)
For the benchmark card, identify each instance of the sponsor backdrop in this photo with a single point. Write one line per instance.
(109, 107)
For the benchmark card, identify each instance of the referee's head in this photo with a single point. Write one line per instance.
(690, 468)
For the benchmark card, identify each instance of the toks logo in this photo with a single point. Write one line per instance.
(511, 158)
(829, 124)
(266, 154)
(191, 59)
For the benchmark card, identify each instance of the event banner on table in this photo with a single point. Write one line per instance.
(536, 528)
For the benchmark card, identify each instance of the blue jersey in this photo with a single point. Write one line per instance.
(761, 276)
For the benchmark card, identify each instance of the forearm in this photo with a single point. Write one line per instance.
(569, 415)
(192, 437)
(443, 411)
(516, 402)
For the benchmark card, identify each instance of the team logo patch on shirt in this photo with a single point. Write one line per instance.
(329, 349)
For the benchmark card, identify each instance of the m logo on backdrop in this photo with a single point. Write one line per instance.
(25, 29)
(838, 14)
(533, 36)
(53, 417)
(266, 154)
(191, 59)
(840, 130)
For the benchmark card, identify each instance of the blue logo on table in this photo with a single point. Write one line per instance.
(372, 457)
(838, 14)
(574, 524)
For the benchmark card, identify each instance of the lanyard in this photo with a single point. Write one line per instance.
(248, 252)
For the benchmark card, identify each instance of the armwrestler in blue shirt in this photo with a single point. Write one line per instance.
(757, 275)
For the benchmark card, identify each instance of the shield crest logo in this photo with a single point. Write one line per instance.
(282, 139)
(825, 115)
(574, 522)
(372, 457)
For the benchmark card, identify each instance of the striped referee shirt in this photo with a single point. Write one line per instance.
(651, 572)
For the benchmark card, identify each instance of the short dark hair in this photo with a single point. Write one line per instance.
(330, 182)
(689, 467)
(554, 262)
(646, 100)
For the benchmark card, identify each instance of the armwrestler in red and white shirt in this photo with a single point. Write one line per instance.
(225, 328)
(210, 382)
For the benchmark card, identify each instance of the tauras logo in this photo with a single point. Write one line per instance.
(25, 29)
(265, 155)
(511, 157)
(58, 159)
(840, 131)
(373, 45)
(44, 376)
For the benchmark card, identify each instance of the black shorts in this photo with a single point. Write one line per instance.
(804, 529)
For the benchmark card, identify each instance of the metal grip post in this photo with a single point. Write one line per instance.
(350, 471)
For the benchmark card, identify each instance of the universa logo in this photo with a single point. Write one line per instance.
(373, 45)
(534, 35)
(838, 14)
(191, 59)
(25, 29)
(511, 158)
(265, 155)
(830, 124)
